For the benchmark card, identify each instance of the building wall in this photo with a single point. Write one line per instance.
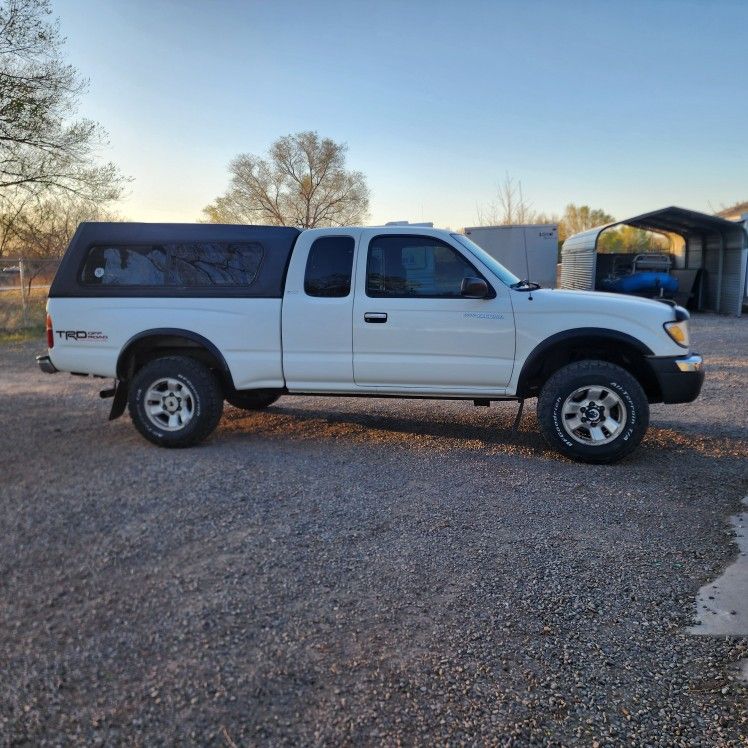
(725, 297)
(578, 261)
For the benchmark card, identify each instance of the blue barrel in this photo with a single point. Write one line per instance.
(646, 281)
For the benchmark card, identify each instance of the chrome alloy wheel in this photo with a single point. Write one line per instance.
(593, 415)
(169, 404)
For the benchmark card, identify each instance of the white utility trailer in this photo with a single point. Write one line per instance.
(528, 250)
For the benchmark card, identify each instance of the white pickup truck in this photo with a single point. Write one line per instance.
(186, 316)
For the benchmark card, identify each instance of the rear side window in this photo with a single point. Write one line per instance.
(329, 266)
(126, 266)
(188, 265)
(215, 264)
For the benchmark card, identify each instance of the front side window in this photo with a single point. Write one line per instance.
(187, 265)
(412, 266)
(504, 275)
(329, 266)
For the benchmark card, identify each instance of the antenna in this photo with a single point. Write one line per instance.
(527, 262)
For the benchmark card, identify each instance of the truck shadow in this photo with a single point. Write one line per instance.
(489, 428)
(462, 429)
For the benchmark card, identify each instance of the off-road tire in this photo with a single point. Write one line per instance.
(251, 399)
(206, 397)
(570, 378)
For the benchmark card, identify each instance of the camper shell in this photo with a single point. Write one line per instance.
(166, 245)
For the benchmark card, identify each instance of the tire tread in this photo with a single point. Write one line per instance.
(562, 379)
(209, 393)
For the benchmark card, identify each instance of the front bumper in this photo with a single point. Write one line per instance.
(679, 377)
(46, 365)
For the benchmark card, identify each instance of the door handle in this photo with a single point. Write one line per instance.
(375, 317)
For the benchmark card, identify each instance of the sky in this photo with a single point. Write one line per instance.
(627, 106)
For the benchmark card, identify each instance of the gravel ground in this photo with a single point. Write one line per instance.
(341, 571)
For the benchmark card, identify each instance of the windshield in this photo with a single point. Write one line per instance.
(495, 266)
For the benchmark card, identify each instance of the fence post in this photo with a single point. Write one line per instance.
(22, 278)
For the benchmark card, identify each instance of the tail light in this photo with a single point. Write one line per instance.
(50, 336)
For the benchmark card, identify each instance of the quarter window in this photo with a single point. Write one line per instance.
(329, 266)
(413, 266)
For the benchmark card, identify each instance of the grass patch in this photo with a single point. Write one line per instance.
(36, 332)
(11, 314)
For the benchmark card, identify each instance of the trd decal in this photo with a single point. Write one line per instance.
(93, 335)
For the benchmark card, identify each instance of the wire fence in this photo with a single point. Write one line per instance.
(24, 284)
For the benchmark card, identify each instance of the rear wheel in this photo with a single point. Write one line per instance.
(593, 411)
(175, 401)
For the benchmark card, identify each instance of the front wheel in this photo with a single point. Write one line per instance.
(593, 411)
(175, 401)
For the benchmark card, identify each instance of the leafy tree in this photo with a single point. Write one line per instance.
(41, 146)
(512, 207)
(623, 238)
(578, 218)
(732, 212)
(632, 240)
(303, 181)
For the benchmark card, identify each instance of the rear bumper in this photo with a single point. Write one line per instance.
(680, 377)
(46, 365)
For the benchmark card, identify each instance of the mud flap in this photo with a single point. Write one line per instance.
(119, 403)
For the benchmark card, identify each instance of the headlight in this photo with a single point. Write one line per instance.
(678, 331)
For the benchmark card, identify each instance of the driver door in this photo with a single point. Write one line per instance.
(412, 328)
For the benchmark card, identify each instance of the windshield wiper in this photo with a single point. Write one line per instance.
(525, 285)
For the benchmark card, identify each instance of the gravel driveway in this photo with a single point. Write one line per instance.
(342, 571)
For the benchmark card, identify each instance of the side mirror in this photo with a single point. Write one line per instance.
(474, 288)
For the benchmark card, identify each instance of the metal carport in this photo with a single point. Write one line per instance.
(713, 244)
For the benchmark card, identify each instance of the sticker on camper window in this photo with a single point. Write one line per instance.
(99, 272)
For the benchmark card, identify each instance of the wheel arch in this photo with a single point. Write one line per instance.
(582, 343)
(145, 345)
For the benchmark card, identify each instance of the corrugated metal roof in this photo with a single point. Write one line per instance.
(681, 221)
(676, 220)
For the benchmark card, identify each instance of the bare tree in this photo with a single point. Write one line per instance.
(303, 181)
(509, 207)
(40, 147)
(40, 230)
